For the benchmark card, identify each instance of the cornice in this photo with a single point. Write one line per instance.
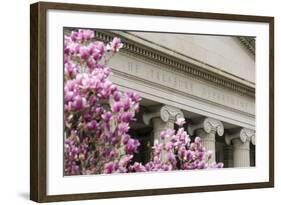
(249, 43)
(142, 51)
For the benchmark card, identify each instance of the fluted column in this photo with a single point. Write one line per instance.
(162, 118)
(207, 128)
(241, 146)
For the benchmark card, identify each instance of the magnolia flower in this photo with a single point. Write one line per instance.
(70, 69)
(79, 103)
(86, 34)
(127, 103)
(167, 133)
(84, 52)
(157, 147)
(123, 128)
(69, 95)
(172, 159)
(91, 63)
(189, 155)
(180, 121)
(201, 165)
(75, 153)
(92, 125)
(125, 160)
(209, 154)
(138, 167)
(71, 48)
(115, 45)
(182, 153)
(116, 106)
(127, 116)
(106, 116)
(169, 146)
(166, 167)
(219, 165)
(74, 36)
(82, 35)
(216, 165)
(117, 95)
(110, 167)
(197, 140)
(132, 146)
(200, 156)
(133, 96)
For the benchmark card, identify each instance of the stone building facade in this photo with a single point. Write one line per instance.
(208, 80)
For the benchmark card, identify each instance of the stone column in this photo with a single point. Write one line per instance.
(241, 146)
(162, 118)
(207, 128)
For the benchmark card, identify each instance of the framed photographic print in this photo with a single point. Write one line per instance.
(134, 102)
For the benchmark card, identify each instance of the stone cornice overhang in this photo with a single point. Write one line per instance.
(249, 43)
(143, 51)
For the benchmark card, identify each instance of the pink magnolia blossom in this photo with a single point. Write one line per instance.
(97, 117)
(115, 45)
(180, 121)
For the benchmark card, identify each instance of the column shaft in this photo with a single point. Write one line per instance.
(208, 141)
(159, 125)
(241, 153)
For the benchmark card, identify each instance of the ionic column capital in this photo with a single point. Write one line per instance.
(253, 138)
(209, 125)
(167, 113)
(244, 134)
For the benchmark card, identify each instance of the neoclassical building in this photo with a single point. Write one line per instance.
(208, 80)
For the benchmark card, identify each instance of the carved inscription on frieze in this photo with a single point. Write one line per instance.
(186, 84)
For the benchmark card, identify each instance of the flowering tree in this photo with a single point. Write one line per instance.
(179, 153)
(97, 117)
